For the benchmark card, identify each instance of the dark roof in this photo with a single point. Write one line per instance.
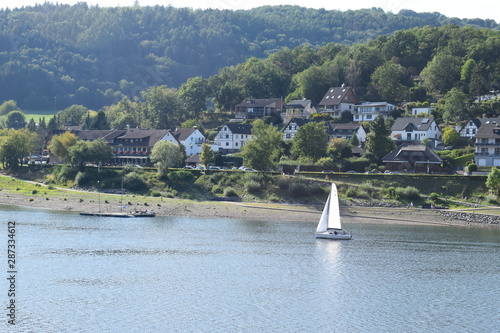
(150, 136)
(262, 102)
(334, 95)
(402, 153)
(298, 121)
(420, 124)
(237, 128)
(298, 103)
(489, 130)
(182, 134)
(345, 126)
(92, 135)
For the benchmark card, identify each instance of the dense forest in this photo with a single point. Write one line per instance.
(55, 56)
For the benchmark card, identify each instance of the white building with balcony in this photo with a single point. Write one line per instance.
(368, 111)
(487, 144)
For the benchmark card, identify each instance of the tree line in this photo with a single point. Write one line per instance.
(55, 56)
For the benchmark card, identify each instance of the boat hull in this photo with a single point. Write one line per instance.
(332, 235)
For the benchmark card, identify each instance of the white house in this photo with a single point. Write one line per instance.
(472, 126)
(417, 111)
(368, 111)
(337, 100)
(233, 136)
(415, 129)
(293, 126)
(190, 138)
(301, 108)
(487, 144)
(347, 130)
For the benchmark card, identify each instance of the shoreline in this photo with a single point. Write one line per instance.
(81, 201)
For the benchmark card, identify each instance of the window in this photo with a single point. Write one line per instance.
(227, 136)
(227, 143)
(236, 144)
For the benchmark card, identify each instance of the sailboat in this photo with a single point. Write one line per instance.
(329, 224)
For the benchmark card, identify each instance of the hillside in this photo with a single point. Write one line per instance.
(53, 56)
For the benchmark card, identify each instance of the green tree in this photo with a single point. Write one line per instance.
(207, 155)
(311, 141)
(60, 144)
(162, 108)
(72, 116)
(99, 122)
(442, 73)
(455, 106)
(15, 120)
(450, 136)
(389, 80)
(15, 146)
(193, 96)
(493, 181)
(378, 143)
(165, 155)
(265, 148)
(124, 113)
(339, 148)
(354, 140)
(8, 106)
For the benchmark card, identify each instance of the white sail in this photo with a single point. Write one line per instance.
(323, 221)
(334, 210)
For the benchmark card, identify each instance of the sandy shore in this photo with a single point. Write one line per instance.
(80, 201)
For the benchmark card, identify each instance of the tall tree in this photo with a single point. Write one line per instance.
(165, 155)
(193, 95)
(60, 144)
(17, 145)
(378, 143)
(265, 148)
(455, 106)
(311, 141)
(207, 155)
(162, 108)
(15, 120)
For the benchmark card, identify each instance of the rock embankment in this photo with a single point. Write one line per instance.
(472, 217)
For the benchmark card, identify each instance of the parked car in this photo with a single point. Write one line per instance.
(189, 167)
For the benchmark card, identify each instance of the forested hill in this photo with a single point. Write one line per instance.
(53, 56)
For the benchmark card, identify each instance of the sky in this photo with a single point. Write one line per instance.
(485, 9)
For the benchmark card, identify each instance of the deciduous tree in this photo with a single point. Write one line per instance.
(166, 155)
(265, 148)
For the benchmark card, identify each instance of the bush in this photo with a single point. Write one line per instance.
(216, 189)
(81, 179)
(34, 192)
(155, 194)
(434, 197)
(252, 186)
(472, 167)
(230, 192)
(408, 193)
(181, 176)
(133, 181)
(298, 190)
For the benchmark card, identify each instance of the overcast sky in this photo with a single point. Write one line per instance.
(485, 9)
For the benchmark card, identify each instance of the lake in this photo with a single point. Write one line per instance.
(93, 274)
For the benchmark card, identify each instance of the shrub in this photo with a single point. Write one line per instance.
(472, 167)
(155, 194)
(34, 192)
(252, 186)
(230, 192)
(298, 190)
(181, 176)
(216, 189)
(283, 183)
(434, 197)
(81, 179)
(408, 193)
(133, 181)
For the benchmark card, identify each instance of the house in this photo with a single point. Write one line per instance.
(487, 144)
(300, 108)
(368, 111)
(191, 138)
(293, 125)
(417, 111)
(134, 145)
(258, 108)
(415, 158)
(347, 130)
(337, 100)
(232, 137)
(415, 129)
(470, 129)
